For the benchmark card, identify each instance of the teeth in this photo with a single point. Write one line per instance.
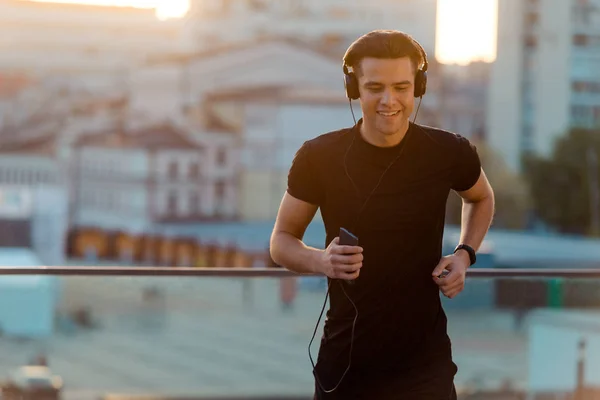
(389, 114)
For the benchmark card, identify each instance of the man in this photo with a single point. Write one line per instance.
(387, 181)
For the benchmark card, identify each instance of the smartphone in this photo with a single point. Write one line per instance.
(348, 239)
(444, 274)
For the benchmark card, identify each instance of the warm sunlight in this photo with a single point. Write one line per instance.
(164, 8)
(466, 31)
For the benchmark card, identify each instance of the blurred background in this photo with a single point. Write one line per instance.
(160, 133)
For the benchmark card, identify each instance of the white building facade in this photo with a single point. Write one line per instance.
(133, 181)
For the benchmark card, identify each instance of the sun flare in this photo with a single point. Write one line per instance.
(164, 8)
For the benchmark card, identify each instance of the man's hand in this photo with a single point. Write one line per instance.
(341, 262)
(456, 265)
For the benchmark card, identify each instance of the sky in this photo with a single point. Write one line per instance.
(466, 29)
(164, 8)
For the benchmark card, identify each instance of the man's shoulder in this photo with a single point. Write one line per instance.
(328, 141)
(440, 137)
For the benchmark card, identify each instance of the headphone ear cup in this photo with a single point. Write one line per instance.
(351, 86)
(420, 83)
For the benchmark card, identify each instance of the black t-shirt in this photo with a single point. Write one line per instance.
(401, 322)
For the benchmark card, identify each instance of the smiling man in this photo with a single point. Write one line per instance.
(386, 180)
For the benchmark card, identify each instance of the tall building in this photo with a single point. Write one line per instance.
(546, 76)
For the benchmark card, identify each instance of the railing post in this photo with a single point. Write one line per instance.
(579, 390)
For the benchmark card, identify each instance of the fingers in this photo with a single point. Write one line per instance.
(449, 279)
(444, 262)
(450, 285)
(346, 259)
(452, 293)
(450, 290)
(346, 249)
(347, 275)
(346, 271)
(348, 268)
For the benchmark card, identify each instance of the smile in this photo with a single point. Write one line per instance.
(389, 113)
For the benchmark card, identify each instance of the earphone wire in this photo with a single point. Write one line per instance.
(327, 297)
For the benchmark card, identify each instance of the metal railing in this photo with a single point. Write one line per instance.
(275, 272)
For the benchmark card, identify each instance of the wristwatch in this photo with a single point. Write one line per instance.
(469, 250)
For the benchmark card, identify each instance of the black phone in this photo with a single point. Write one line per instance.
(347, 238)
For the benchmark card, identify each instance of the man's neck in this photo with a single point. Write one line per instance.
(372, 136)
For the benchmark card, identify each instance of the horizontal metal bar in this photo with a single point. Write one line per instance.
(534, 273)
(192, 397)
(277, 272)
(149, 271)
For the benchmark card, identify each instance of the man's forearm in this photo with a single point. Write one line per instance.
(291, 253)
(476, 220)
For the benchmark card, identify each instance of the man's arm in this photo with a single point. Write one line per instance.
(288, 250)
(286, 246)
(477, 213)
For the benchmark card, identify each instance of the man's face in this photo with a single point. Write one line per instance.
(386, 94)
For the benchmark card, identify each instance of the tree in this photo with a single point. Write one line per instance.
(565, 186)
(513, 200)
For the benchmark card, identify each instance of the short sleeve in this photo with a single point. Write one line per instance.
(303, 182)
(467, 167)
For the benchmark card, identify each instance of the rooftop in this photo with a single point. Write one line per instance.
(158, 137)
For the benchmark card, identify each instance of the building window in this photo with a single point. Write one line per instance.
(585, 87)
(194, 205)
(173, 170)
(581, 116)
(172, 204)
(577, 86)
(221, 157)
(194, 170)
(530, 42)
(257, 5)
(531, 18)
(597, 116)
(220, 191)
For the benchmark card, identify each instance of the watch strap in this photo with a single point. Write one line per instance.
(468, 249)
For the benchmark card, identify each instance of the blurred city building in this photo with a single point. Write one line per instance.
(546, 75)
(273, 93)
(133, 179)
(329, 25)
(81, 39)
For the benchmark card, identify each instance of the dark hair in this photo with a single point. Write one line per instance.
(384, 44)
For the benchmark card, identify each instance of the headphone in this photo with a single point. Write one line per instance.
(351, 81)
